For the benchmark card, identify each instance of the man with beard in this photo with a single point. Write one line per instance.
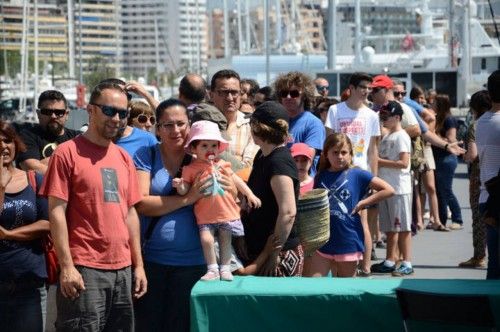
(92, 187)
(42, 139)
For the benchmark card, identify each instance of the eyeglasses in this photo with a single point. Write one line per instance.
(143, 118)
(112, 111)
(59, 113)
(232, 93)
(171, 125)
(399, 93)
(292, 93)
(322, 87)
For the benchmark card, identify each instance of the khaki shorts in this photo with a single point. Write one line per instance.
(395, 214)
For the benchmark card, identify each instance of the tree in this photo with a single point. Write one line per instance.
(98, 70)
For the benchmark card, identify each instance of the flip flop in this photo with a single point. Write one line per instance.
(441, 228)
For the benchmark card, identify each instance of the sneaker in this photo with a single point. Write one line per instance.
(402, 270)
(226, 275)
(382, 268)
(456, 226)
(380, 245)
(474, 263)
(211, 275)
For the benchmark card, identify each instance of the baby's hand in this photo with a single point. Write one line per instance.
(253, 201)
(177, 182)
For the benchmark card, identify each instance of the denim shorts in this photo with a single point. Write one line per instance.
(226, 226)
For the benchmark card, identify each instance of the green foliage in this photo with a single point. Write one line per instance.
(14, 62)
(99, 69)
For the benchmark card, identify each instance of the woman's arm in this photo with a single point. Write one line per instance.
(283, 191)
(253, 268)
(451, 135)
(382, 190)
(471, 153)
(153, 206)
(26, 232)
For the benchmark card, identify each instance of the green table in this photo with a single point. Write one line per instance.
(315, 304)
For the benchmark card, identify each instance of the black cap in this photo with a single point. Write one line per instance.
(392, 108)
(268, 113)
(211, 113)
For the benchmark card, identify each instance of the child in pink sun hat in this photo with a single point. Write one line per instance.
(217, 209)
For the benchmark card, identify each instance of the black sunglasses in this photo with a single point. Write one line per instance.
(142, 118)
(375, 90)
(322, 87)
(59, 113)
(399, 93)
(112, 111)
(292, 93)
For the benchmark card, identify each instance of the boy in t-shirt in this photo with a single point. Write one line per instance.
(395, 212)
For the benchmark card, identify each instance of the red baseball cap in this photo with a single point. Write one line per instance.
(382, 81)
(302, 149)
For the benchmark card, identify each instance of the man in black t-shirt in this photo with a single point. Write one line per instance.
(42, 139)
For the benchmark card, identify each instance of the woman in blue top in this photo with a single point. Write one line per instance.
(173, 257)
(446, 163)
(347, 188)
(23, 221)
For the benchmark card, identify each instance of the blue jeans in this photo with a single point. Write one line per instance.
(23, 305)
(165, 307)
(445, 170)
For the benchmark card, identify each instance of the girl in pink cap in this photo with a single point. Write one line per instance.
(217, 209)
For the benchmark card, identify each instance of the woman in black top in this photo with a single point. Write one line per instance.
(274, 180)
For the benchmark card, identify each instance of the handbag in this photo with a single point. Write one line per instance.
(51, 262)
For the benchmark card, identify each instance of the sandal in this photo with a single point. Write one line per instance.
(440, 228)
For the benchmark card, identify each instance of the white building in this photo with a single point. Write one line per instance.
(164, 37)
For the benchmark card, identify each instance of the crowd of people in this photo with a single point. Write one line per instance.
(152, 197)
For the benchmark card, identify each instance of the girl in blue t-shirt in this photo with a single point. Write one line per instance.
(347, 189)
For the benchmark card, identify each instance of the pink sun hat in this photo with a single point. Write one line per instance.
(206, 130)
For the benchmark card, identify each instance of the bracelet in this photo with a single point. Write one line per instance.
(446, 147)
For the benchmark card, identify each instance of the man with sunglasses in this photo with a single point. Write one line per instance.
(92, 187)
(295, 91)
(42, 139)
(322, 86)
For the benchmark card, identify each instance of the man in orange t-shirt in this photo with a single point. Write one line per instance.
(92, 187)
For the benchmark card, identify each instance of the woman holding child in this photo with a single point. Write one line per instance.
(171, 243)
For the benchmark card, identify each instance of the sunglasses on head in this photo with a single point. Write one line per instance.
(143, 118)
(112, 111)
(59, 113)
(399, 93)
(292, 93)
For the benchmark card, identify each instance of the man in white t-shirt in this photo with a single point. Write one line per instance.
(488, 149)
(361, 125)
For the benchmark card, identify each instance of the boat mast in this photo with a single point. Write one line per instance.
(71, 40)
(35, 28)
(357, 42)
(332, 38)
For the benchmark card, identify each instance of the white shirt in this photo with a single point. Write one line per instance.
(390, 147)
(359, 125)
(488, 149)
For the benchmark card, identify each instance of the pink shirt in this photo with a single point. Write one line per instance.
(211, 209)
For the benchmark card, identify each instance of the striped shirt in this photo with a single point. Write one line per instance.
(241, 143)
